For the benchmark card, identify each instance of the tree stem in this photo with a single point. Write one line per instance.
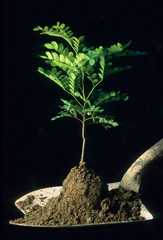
(83, 144)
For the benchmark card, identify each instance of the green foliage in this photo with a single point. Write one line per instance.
(63, 31)
(78, 70)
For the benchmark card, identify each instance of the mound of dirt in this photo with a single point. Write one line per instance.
(85, 199)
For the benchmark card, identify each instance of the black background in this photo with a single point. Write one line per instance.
(37, 153)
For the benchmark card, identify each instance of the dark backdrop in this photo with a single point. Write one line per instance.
(38, 153)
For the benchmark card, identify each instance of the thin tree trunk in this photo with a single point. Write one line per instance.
(83, 144)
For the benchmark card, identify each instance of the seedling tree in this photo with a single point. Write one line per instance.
(79, 70)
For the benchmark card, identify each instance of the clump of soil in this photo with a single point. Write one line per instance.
(85, 199)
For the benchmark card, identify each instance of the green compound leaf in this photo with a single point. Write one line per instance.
(114, 70)
(105, 122)
(79, 69)
(62, 114)
(64, 32)
(69, 109)
(100, 97)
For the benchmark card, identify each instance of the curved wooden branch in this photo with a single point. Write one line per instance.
(132, 178)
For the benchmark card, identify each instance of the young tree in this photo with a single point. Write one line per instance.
(79, 70)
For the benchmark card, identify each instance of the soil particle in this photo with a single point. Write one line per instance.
(85, 199)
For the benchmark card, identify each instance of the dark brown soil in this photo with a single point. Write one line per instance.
(85, 199)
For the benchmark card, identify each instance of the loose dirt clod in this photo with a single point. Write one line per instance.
(85, 199)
